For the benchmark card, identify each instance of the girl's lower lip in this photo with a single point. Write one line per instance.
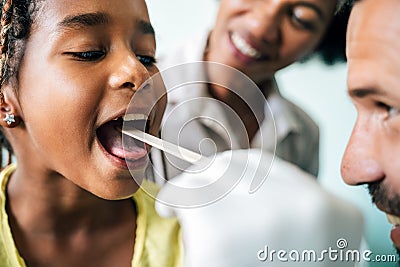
(124, 163)
(137, 164)
(395, 236)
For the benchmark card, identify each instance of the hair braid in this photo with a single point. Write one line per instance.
(15, 23)
(6, 26)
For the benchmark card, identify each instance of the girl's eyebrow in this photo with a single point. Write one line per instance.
(146, 27)
(84, 20)
(95, 19)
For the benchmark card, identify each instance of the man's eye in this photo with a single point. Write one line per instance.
(392, 111)
(88, 55)
(146, 60)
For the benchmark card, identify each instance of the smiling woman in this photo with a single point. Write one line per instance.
(258, 38)
(63, 103)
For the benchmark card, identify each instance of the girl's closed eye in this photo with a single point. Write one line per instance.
(97, 55)
(147, 61)
(87, 55)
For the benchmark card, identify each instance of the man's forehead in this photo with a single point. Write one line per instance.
(373, 45)
(376, 22)
(377, 11)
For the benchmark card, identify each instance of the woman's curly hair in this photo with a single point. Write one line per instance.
(332, 48)
(15, 22)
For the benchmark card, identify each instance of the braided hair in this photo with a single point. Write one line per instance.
(15, 22)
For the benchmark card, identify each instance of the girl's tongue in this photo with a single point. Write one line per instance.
(110, 137)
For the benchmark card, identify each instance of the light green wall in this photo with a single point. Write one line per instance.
(318, 89)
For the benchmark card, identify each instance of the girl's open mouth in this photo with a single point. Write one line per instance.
(126, 150)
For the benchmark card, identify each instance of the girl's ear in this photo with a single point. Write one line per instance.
(9, 114)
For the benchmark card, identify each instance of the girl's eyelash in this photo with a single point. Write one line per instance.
(96, 55)
(146, 60)
(87, 55)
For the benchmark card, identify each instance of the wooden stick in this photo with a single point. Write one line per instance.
(175, 150)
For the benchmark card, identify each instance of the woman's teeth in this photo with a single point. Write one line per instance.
(394, 220)
(244, 47)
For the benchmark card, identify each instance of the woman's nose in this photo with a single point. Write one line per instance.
(360, 163)
(265, 21)
(128, 72)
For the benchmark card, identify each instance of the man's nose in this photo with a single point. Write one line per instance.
(360, 163)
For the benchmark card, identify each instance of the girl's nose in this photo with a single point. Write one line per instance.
(128, 72)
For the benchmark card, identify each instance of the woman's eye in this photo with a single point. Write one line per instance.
(303, 18)
(302, 23)
(88, 55)
(146, 60)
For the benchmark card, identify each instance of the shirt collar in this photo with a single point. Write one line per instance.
(283, 113)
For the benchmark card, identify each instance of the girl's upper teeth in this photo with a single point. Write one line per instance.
(244, 47)
(393, 219)
(133, 117)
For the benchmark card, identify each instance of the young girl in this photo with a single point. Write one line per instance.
(68, 71)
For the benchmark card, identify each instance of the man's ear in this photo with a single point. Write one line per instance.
(10, 115)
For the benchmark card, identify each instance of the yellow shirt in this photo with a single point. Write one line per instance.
(158, 240)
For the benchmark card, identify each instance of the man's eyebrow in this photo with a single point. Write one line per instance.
(146, 27)
(84, 20)
(360, 93)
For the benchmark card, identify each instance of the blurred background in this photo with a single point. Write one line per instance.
(318, 89)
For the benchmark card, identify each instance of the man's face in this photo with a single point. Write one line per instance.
(372, 155)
